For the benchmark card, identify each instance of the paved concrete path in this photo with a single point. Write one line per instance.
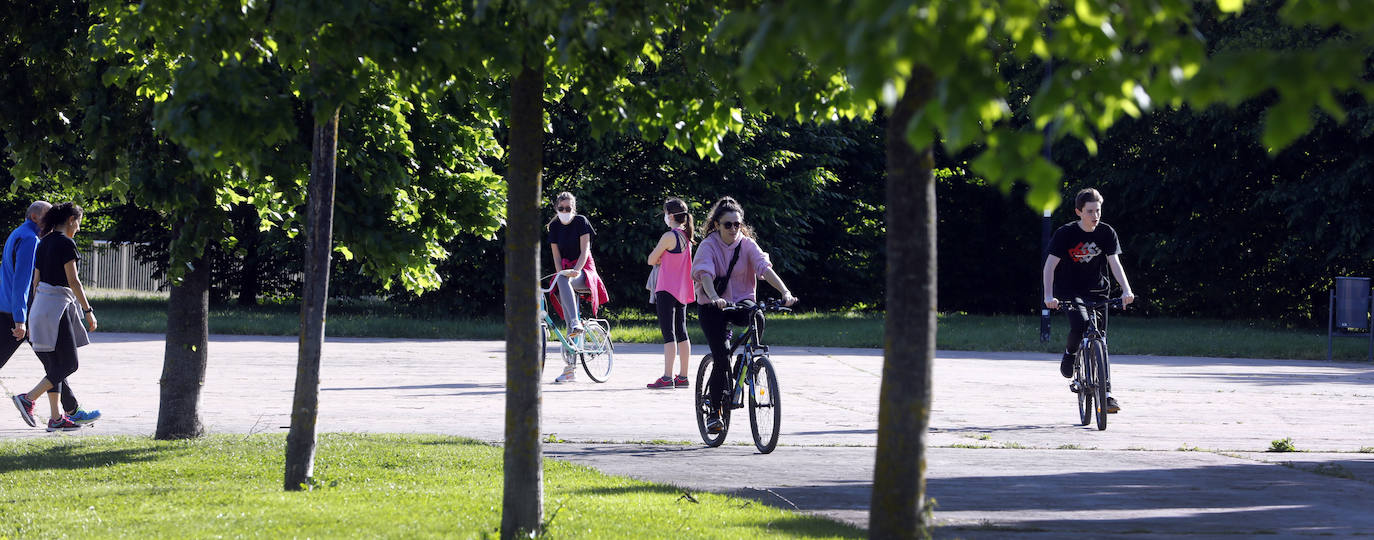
(1008, 457)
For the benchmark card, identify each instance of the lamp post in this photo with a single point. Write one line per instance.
(1045, 226)
(1045, 231)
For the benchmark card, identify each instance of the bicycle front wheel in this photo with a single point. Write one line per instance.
(1097, 359)
(703, 405)
(543, 348)
(765, 410)
(596, 352)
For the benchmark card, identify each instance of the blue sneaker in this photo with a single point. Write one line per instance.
(82, 417)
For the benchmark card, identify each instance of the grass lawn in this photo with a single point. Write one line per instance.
(1129, 335)
(368, 486)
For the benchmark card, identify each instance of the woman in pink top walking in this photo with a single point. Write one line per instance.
(673, 256)
(727, 269)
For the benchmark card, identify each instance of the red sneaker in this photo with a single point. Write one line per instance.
(661, 382)
(62, 424)
(681, 382)
(25, 407)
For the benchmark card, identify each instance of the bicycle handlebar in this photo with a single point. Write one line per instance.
(551, 283)
(771, 305)
(1065, 305)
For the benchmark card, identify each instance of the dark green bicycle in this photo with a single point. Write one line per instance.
(752, 382)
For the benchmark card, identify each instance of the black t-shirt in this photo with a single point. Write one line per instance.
(51, 258)
(1083, 269)
(568, 237)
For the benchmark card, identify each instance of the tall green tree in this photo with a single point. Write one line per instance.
(935, 69)
(589, 55)
(264, 91)
(572, 51)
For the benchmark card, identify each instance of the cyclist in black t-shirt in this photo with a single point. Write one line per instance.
(1079, 256)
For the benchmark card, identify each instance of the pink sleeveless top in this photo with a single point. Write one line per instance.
(675, 271)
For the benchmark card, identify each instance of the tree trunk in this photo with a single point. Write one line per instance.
(522, 506)
(899, 484)
(300, 442)
(183, 364)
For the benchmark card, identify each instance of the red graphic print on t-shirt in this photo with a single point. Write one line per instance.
(1084, 252)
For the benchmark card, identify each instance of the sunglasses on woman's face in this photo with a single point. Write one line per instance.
(730, 224)
(564, 209)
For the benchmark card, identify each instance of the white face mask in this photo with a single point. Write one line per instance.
(668, 220)
(565, 217)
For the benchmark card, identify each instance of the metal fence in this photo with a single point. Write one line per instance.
(113, 266)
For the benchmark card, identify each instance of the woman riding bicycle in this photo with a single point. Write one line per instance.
(726, 269)
(570, 242)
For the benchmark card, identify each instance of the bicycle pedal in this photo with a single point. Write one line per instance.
(1073, 387)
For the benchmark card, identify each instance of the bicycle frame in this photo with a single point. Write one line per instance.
(548, 323)
(752, 348)
(1093, 331)
(553, 327)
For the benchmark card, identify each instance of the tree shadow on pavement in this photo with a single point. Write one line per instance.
(798, 526)
(835, 432)
(1241, 498)
(1363, 378)
(453, 386)
(571, 450)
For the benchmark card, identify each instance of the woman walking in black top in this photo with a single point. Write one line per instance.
(55, 328)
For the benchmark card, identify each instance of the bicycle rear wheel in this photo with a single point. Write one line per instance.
(703, 405)
(1085, 394)
(765, 410)
(1097, 355)
(596, 352)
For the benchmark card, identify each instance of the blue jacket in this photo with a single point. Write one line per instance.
(16, 270)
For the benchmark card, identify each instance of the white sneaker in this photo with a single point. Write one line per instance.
(569, 374)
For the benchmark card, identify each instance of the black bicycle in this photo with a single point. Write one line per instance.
(752, 373)
(1091, 369)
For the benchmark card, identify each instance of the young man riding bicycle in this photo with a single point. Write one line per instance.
(1086, 248)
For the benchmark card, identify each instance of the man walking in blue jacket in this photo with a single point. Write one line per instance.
(16, 281)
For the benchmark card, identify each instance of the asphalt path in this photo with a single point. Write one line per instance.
(1007, 459)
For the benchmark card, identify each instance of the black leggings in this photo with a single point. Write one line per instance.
(8, 346)
(61, 362)
(716, 325)
(1078, 322)
(672, 317)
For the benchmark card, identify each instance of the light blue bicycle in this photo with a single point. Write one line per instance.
(591, 348)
